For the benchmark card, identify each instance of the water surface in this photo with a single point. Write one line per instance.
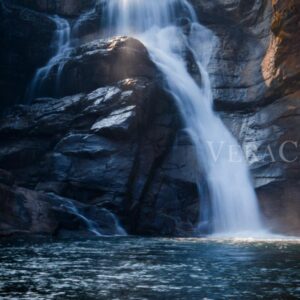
(138, 268)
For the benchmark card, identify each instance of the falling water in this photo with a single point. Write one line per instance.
(119, 228)
(62, 43)
(91, 225)
(170, 30)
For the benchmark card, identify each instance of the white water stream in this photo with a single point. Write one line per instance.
(61, 40)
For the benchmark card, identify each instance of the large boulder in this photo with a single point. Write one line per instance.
(23, 212)
(114, 149)
(96, 64)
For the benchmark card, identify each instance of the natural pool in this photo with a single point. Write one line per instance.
(140, 268)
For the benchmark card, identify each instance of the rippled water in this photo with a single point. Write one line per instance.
(137, 268)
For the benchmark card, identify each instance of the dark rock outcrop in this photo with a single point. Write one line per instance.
(112, 148)
(27, 212)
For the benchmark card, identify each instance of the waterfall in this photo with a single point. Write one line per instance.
(61, 41)
(170, 30)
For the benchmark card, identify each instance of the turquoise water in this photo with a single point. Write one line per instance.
(138, 268)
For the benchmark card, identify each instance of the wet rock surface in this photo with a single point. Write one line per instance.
(99, 63)
(89, 149)
(255, 77)
(28, 212)
(109, 149)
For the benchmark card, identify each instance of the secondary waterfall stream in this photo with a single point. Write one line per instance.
(169, 29)
(61, 41)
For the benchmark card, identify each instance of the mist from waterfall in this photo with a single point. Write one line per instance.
(61, 42)
(170, 31)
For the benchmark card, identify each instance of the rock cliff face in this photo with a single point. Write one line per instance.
(111, 142)
(256, 76)
(257, 92)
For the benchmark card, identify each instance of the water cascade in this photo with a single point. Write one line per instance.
(169, 29)
(61, 40)
(119, 229)
(91, 225)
